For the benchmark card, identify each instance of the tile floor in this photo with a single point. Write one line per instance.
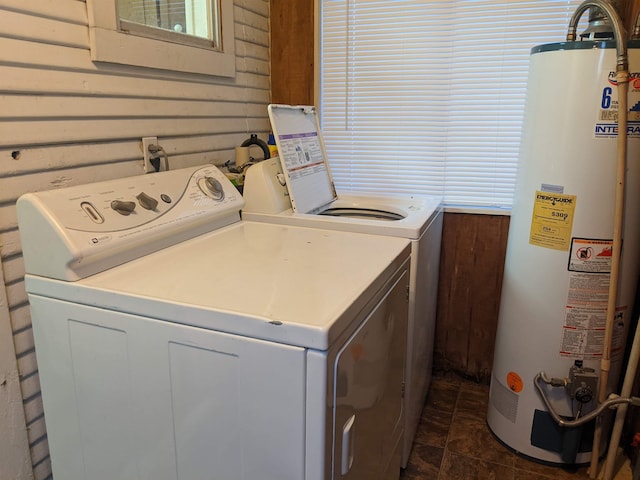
(454, 443)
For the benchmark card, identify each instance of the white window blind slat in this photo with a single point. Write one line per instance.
(428, 97)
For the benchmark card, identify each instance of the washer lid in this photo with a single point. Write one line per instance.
(303, 157)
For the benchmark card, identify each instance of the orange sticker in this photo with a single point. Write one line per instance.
(514, 382)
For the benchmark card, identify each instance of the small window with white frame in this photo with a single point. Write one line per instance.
(193, 36)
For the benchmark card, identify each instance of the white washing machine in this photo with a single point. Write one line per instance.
(175, 341)
(296, 188)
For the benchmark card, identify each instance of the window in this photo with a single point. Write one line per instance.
(181, 35)
(428, 97)
(182, 21)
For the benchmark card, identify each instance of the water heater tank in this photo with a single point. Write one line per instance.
(557, 268)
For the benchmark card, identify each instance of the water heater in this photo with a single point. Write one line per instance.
(558, 262)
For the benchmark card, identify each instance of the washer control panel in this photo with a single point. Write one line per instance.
(134, 201)
(114, 221)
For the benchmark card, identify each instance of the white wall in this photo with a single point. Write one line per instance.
(65, 120)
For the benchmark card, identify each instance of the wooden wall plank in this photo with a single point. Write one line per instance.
(453, 294)
(14, 441)
(16, 294)
(36, 429)
(261, 7)
(42, 470)
(20, 318)
(213, 147)
(28, 106)
(13, 268)
(33, 408)
(28, 365)
(472, 262)
(40, 450)
(69, 11)
(29, 79)
(23, 25)
(23, 342)
(39, 132)
(488, 265)
(292, 58)
(53, 179)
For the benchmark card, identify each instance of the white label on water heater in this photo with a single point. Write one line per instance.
(586, 308)
(547, 187)
(606, 125)
(583, 333)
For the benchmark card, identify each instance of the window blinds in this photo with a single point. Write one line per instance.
(428, 97)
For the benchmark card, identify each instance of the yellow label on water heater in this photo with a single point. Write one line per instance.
(552, 220)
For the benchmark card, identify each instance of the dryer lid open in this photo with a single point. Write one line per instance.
(303, 157)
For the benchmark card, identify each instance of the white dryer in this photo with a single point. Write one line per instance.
(175, 341)
(296, 188)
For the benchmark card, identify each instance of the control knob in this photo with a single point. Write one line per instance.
(212, 188)
(147, 202)
(584, 394)
(123, 208)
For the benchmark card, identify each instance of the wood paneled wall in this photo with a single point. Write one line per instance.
(471, 265)
(292, 54)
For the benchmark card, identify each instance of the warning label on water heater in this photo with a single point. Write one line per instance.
(552, 220)
(584, 330)
(587, 298)
(590, 256)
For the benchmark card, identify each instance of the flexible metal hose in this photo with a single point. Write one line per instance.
(619, 31)
(612, 401)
